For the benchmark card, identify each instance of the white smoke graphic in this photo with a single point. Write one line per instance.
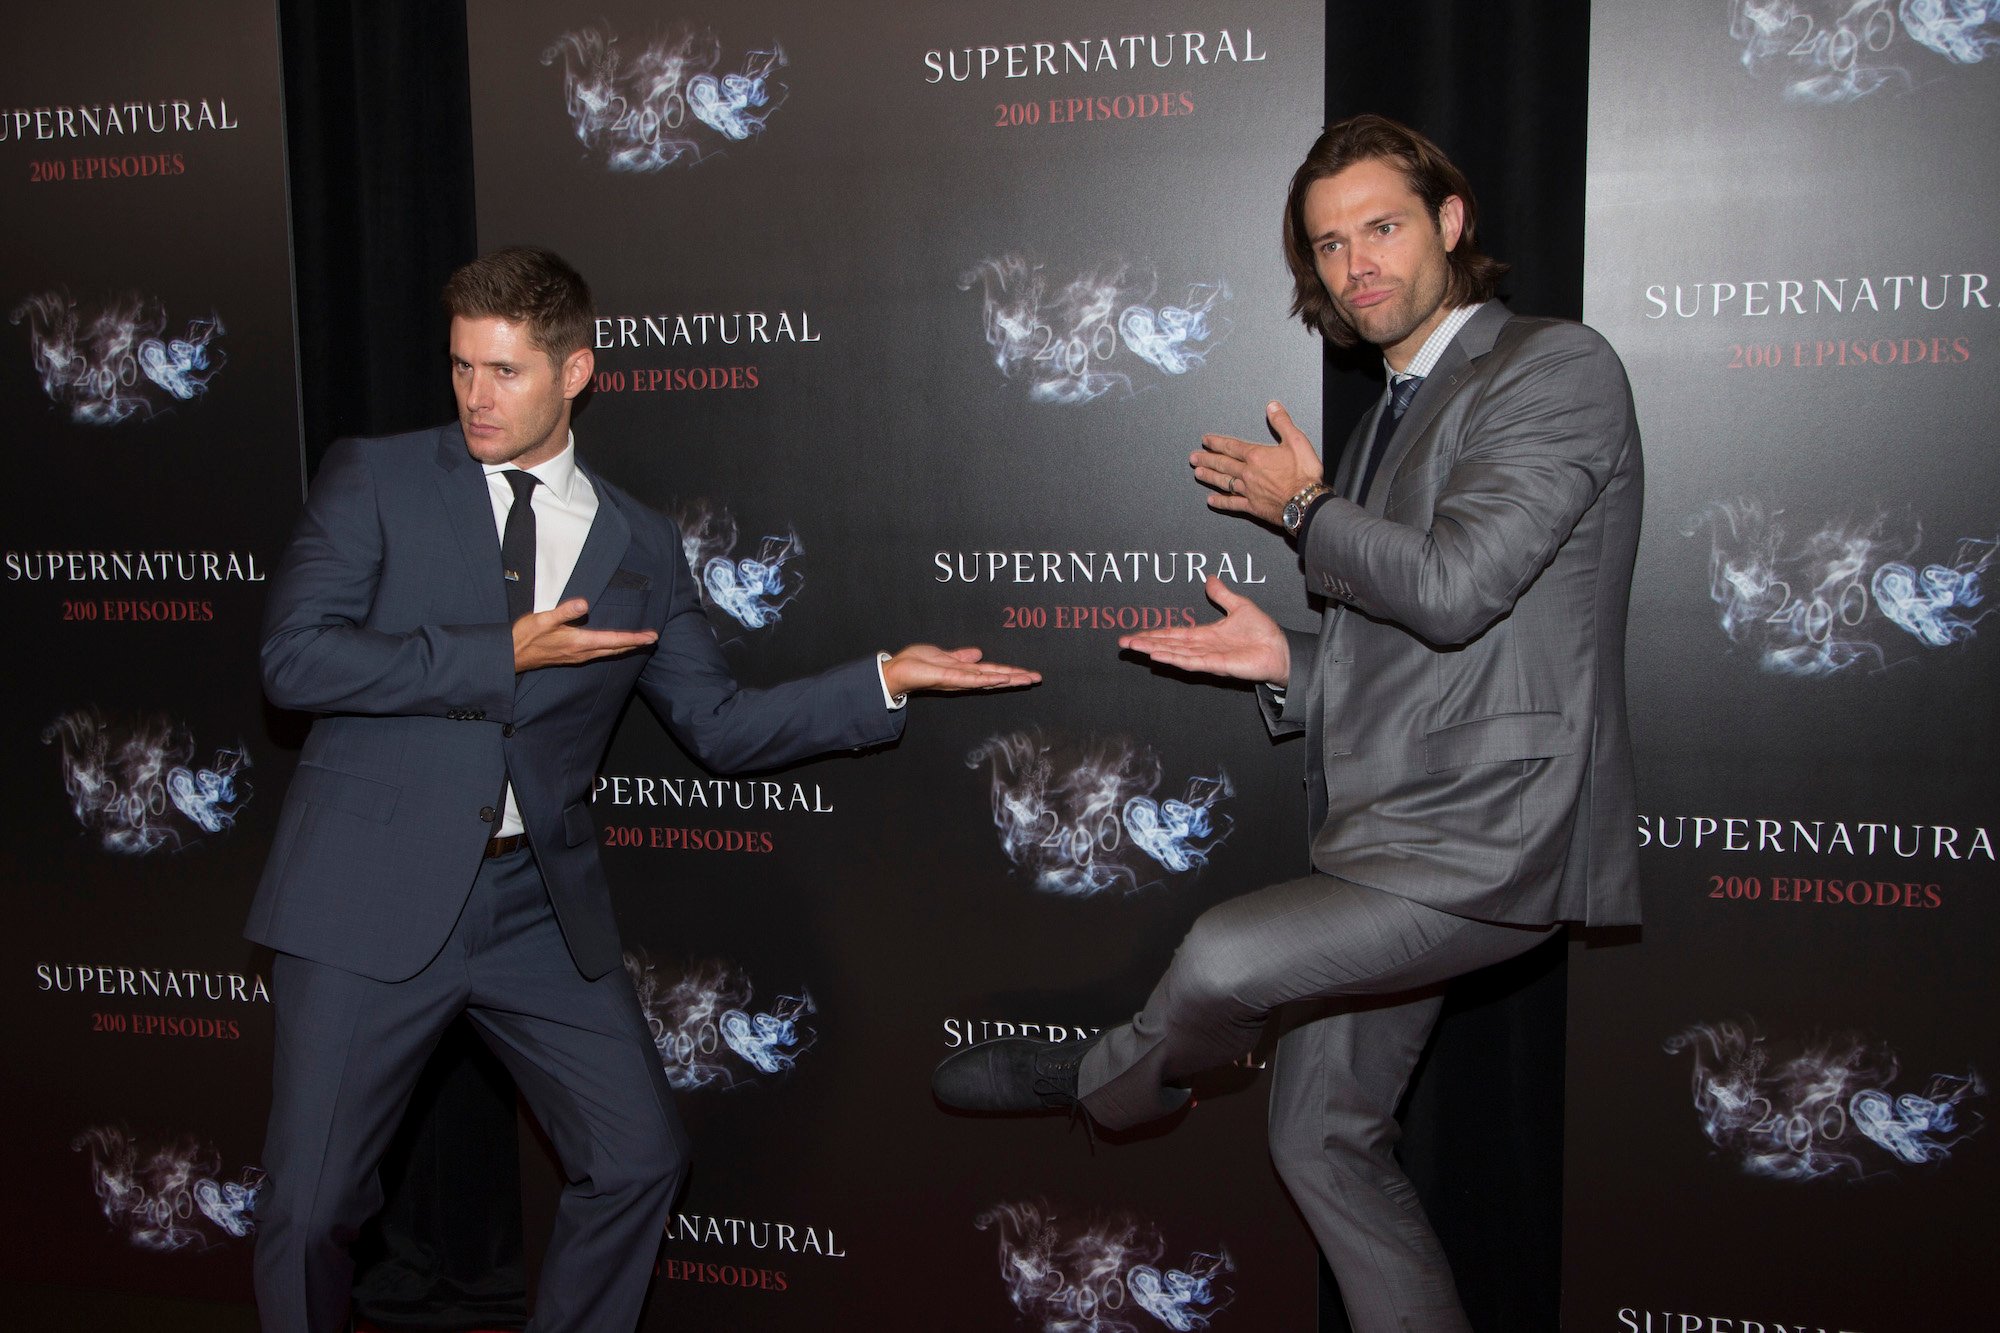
(1835, 51)
(122, 780)
(1835, 598)
(1100, 1275)
(639, 111)
(1074, 820)
(99, 364)
(752, 591)
(1807, 1113)
(1175, 338)
(1060, 341)
(737, 105)
(160, 1202)
(1953, 28)
(701, 1018)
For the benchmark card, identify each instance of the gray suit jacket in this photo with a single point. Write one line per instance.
(1464, 702)
(388, 618)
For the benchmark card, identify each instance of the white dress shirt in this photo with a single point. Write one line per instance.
(1426, 359)
(565, 503)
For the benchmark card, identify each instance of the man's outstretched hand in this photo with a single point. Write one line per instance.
(1245, 644)
(552, 638)
(924, 666)
(1257, 479)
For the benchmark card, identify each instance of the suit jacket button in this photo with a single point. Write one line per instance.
(488, 813)
(507, 730)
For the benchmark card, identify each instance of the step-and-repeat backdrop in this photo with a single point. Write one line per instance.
(148, 400)
(1779, 1096)
(910, 316)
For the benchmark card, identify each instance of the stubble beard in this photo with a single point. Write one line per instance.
(508, 446)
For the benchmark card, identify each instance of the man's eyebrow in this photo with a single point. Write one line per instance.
(1392, 215)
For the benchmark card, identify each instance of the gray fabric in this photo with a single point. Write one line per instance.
(349, 1050)
(1336, 1081)
(1464, 702)
(1468, 774)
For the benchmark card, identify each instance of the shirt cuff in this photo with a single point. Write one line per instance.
(893, 701)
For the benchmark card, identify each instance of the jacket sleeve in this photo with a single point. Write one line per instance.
(1285, 709)
(729, 728)
(320, 656)
(1538, 448)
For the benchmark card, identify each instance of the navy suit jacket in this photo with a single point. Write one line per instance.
(388, 618)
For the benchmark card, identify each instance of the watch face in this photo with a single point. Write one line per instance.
(1295, 508)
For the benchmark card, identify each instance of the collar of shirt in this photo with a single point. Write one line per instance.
(558, 474)
(1427, 356)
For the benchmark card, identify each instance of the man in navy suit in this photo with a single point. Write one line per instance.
(467, 610)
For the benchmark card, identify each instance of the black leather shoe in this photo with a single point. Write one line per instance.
(1011, 1074)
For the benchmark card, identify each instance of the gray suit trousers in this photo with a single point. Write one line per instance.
(1338, 1079)
(350, 1049)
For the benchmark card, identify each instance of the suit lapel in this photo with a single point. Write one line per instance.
(610, 534)
(603, 549)
(1453, 368)
(461, 484)
(1342, 480)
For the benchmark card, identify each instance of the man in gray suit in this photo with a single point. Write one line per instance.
(436, 854)
(1468, 765)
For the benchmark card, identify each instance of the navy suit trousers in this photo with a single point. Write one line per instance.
(350, 1050)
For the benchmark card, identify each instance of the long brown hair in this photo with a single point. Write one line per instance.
(1431, 176)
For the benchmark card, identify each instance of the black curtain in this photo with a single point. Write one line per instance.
(378, 121)
(1502, 86)
(378, 113)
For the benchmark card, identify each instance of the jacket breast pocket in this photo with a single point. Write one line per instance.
(1499, 738)
(620, 608)
(349, 793)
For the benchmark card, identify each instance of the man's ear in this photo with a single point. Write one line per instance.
(1451, 221)
(577, 370)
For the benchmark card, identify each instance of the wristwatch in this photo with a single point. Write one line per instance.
(1295, 508)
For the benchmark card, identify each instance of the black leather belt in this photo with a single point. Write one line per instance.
(513, 842)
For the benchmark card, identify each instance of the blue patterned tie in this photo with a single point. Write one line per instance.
(1401, 392)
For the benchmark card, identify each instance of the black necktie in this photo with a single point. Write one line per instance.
(1400, 394)
(517, 545)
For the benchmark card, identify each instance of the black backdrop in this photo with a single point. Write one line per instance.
(378, 113)
(1809, 461)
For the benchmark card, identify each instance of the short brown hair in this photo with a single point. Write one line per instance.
(1432, 178)
(526, 285)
